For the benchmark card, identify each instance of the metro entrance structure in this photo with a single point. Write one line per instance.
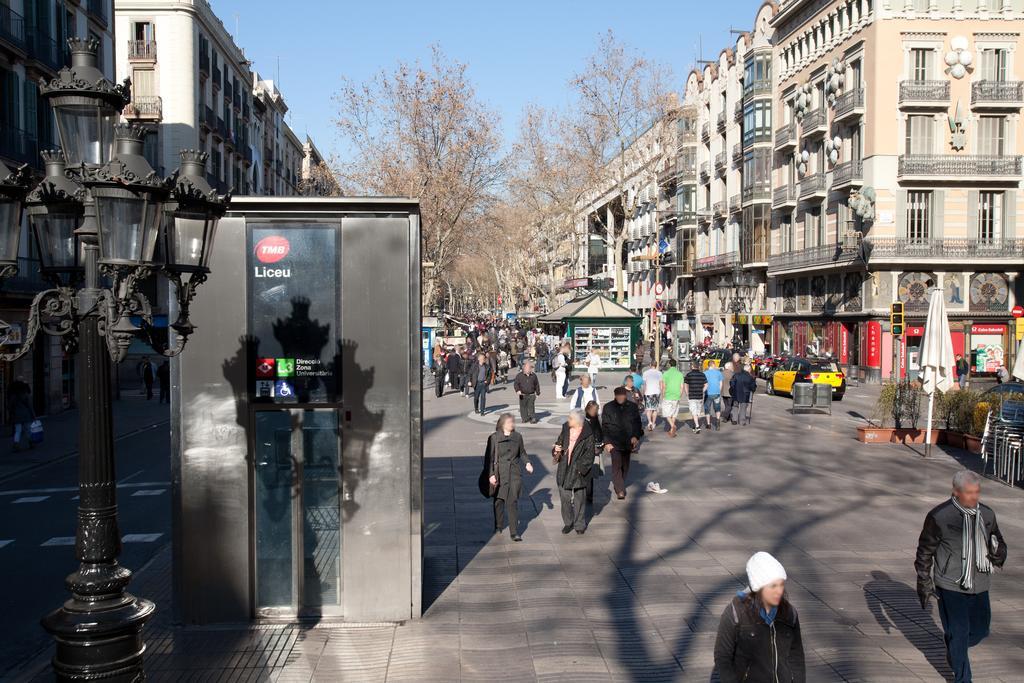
(296, 445)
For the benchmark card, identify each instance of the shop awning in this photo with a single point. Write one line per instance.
(590, 306)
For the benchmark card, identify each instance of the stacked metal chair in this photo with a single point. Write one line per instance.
(1003, 442)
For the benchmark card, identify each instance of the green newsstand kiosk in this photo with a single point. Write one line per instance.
(595, 322)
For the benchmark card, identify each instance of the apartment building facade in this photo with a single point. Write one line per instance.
(33, 46)
(193, 85)
(896, 168)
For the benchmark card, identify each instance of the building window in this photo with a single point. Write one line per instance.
(813, 230)
(921, 5)
(856, 74)
(991, 135)
(142, 31)
(993, 65)
(921, 63)
(786, 230)
(143, 83)
(919, 134)
(757, 72)
(990, 217)
(919, 211)
(757, 121)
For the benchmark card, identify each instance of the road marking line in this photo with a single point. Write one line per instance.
(59, 540)
(71, 489)
(6, 542)
(140, 538)
(149, 492)
(29, 499)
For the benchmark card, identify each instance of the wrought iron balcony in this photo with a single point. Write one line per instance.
(737, 155)
(721, 121)
(45, 50)
(997, 93)
(735, 203)
(142, 50)
(12, 29)
(924, 93)
(218, 128)
(756, 193)
(959, 165)
(98, 9)
(785, 136)
(18, 146)
(204, 62)
(850, 104)
(145, 107)
(718, 262)
(704, 215)
(216, 78)
(784, 196)
(753, 88)
(705, 132)
(835, 254)
(814, 121)
(848, 173)
(737, 112)
(721, 162)
(719, 209)
(954, 248)
(705, 169)
(812, 185)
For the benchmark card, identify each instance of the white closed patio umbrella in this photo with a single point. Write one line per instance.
(1018, 365)
(937, 362)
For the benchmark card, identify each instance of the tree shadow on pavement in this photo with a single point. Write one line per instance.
(895, 606)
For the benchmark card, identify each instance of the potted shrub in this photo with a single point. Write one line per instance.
(898, 415)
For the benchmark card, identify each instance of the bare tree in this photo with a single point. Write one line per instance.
(420, 132)
(621, 96)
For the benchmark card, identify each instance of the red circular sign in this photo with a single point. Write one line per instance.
(272, 249)
(1017, 312)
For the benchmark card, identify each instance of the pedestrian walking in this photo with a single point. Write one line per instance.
(527, 387)
(963, 371)
(19, 407)
(541, 351)
(439, 375)
(146, 370)
(696, 384)
(593, 366)
(958, 547)
(574, 453)
(583, 394)
(560, 366)
(163, 378)
(507, 454)
(622, 430)
(713, 397)
(652, 396)
(481, 377)
(742, 387)
(672, 393)
(453, 363)
(633, 395)
(592, 411)
(759, 632)
(468, 363)
(727, 373)
(1002, 375)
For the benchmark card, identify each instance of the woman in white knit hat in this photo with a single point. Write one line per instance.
(759, 633)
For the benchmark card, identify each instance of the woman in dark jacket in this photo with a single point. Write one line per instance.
(575, 452)
(759, 633)
(506, 454)
(594, 420)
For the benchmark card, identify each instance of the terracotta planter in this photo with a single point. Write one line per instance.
(972, 443)
(955, 439)
(891, 435)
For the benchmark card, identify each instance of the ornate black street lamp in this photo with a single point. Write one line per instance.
(97, 217)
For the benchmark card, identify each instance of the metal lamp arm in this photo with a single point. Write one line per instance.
(53, 311)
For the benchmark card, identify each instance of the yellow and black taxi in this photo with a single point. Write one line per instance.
(716, 358)
(813, 370)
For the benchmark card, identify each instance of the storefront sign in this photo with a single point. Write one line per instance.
(874, 342)
(1019, 334)
(1017, 311)
(577, 283)
(741, 319)
(915, 331)
(844, 349)
(988, 329)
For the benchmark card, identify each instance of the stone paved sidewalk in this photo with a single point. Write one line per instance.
(638, 597)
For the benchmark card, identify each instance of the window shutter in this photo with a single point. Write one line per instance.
(31, 116)
(938, 216)
(1010, 215)
(901, 214)
(972, 215)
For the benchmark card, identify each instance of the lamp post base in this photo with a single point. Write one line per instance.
(99, 641)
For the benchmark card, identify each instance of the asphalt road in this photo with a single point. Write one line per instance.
(37, 527)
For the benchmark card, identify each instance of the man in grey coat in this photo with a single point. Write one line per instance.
(959, 545)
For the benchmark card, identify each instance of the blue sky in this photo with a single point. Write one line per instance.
(518, 52)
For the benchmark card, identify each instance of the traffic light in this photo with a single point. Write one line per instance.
(896, 318)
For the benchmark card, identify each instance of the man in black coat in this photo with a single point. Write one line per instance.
(620, 422)
(454, 365)
(480, 378)
(742, 387)
(527, 386)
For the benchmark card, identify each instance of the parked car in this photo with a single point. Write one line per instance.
(813, 370)
(1006, 389)
(716, 358)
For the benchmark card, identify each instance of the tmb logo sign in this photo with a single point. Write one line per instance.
(272, 249)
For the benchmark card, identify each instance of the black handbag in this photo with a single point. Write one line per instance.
(487, 489)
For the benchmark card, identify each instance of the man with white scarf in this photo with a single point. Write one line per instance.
(959, 545)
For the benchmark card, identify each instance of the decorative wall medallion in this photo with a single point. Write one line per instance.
(989, 292)
(954, 290)
(789, 296)
(913, 290)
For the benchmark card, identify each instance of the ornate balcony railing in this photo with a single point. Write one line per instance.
(12, 28)
(737, 154)
(721, 161)
(924, 91)
(785, 135)
(959, 165)
(757, 88)
(717, 262)
(812, 184)
(848, 172)
(705, 132)
(718, 208)
(144, 107)
(783, 195)
(753, 193)
(814, 257)
(737, 111)
(721, 121)
(997, 92)
(735, 203)
(142, 49)
(814, 121)
(204, 62)
(849, 102)
(705, 169)
(947, 247)
(46, 50)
